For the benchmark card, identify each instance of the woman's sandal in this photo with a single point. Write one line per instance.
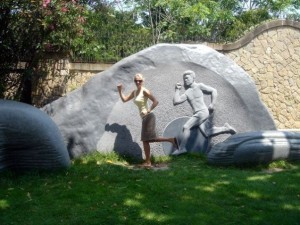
(146, 165)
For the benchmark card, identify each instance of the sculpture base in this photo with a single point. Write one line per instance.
(196, 142)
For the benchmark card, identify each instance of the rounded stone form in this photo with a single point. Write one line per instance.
(29, 139)
(258, 147)
(83, 115)
(196, 142)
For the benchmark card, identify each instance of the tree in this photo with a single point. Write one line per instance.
(208, 20)
(114, 32)
(29, 28)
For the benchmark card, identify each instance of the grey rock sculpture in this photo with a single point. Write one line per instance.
(29, 139)
(85, 115)
(196, 142)
(257, 147)
(202, 117)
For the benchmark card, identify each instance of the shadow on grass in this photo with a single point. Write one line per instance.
(95, 191)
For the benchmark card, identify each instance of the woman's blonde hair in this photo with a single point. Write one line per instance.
(139, 75)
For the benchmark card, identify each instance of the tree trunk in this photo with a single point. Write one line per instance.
(26, 88)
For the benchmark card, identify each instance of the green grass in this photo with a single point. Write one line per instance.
(99, 189)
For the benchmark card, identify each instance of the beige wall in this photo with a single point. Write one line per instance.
(63, 77)
(272, 58)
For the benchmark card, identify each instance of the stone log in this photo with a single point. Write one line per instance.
(29, 139)
(254, 148)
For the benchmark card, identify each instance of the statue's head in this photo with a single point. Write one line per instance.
(188, 78)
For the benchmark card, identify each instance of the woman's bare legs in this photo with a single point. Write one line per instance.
(146, 145)
(173, 141)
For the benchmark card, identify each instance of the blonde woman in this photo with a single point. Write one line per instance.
(148, 134)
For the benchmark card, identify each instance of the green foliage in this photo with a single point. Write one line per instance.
(104, 189)
(107, 31)
(111, 30)
(29, 28)
(209, 20)
(243, 23)
(113, 34)
(64, 23)
(33, 26)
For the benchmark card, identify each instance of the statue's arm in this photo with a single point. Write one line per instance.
(124, 98)
(178, 99)
(213, 92)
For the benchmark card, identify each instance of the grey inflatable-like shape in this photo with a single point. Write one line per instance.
(197, 142)
(253, 148)
(29, 139)
(93, 118)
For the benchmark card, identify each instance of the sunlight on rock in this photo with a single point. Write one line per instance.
(281, 145)
(3, 204)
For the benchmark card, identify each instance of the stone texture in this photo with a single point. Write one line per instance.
(29, 139)
(281, 54)
(86, 115)
(253, 148)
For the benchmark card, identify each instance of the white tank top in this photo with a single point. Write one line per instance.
(141, 102)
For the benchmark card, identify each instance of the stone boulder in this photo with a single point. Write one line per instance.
(86, 115)
(254, 148)
(29, 139)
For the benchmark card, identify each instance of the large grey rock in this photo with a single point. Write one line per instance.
(29, 139)
(85, 115)
(253, 148)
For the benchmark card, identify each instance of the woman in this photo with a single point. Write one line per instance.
(148, 134)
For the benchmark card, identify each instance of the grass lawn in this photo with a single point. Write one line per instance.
(103, 190)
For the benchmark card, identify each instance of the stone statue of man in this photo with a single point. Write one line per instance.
(194, 95)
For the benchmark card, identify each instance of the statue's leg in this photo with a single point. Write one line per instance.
(206, 128)
(230, 129)
(192, 122)
(213, 131)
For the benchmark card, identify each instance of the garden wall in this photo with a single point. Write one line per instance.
(270, 54)
(63, 77)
